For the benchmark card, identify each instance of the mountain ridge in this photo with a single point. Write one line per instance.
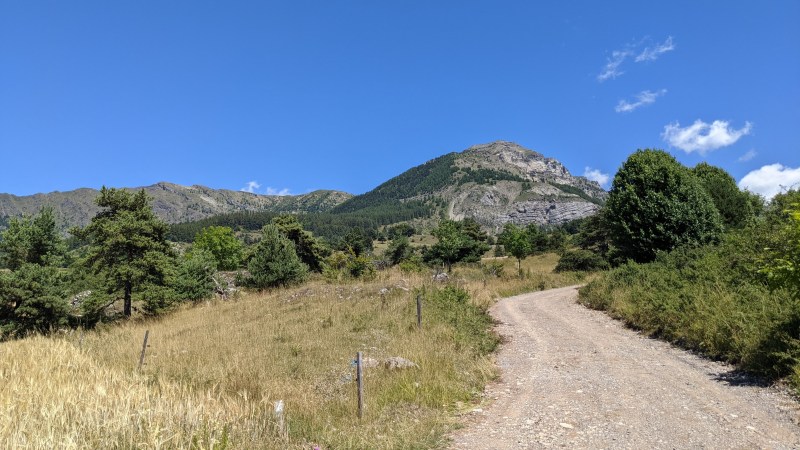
(493, 183)
(171, 202)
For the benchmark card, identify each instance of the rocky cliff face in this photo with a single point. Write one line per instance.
(549, 195)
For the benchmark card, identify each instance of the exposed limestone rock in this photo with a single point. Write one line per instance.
(396, 362)
(551, 196)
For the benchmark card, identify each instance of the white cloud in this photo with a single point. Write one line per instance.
(771, 180)
(748, 156)
(595, 175)
(251, 187)
(702, 137)
(274, 191)
(642, 98)
(652, 53)
(611, 69)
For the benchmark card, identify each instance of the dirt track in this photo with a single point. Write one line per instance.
(574, 378)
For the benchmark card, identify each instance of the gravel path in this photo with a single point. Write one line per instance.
(574, 378)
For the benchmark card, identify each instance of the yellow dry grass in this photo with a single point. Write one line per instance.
(214, 371)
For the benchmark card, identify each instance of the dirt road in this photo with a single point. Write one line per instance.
(574, 378)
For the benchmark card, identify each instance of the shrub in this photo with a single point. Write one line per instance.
(195, 277)
(275, 262)
(472, 325)
(580, 260)
(32, 299)
(226, 250)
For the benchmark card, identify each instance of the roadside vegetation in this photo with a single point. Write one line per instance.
(700, 263)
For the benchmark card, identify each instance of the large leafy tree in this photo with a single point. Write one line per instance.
(222, 243)
(734, 206)
(657, 204)
(275, 262)
(457, 241)
(127, 243)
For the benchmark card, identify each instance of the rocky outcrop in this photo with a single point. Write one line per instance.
(547, 212)
(549, 196)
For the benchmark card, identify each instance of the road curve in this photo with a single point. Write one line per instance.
(574, 378)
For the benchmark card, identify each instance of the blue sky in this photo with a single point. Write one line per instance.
(296, 96)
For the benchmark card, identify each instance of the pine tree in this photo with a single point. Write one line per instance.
(127, 243)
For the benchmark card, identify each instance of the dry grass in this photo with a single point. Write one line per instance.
(213, 371)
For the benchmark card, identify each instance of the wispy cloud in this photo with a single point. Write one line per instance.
(642, 98)
(613, 67)
(275, 191)
(596, 175)
(748, 156)
(771, 180)
(652, 53)
(251, 187)
(702, 137)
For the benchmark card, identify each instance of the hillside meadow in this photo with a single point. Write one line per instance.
(214, 370)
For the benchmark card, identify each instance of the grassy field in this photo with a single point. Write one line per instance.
(214, 371)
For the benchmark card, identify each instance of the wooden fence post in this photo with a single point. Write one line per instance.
(419, 311)
(360, 382)
(144, 348)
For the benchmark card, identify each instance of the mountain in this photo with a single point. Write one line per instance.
(492, 183)
(171, 202)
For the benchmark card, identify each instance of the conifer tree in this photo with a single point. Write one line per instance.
(275, 262)
(127, 243)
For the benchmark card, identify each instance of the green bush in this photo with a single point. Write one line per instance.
(195, 277)
(32, 299)
(226, 250)
(412, 264)
(580, 260)
(275, 262)
(472, 325)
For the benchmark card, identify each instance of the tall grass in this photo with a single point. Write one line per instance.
(213, 371)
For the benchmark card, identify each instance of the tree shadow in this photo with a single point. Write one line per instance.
(739, 378)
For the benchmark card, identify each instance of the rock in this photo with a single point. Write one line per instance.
(441, 277)
(566, 425)
(78, 298)
(369, 363)
(396, 362)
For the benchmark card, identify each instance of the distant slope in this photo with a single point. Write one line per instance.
(493, 183)
(171, 202)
